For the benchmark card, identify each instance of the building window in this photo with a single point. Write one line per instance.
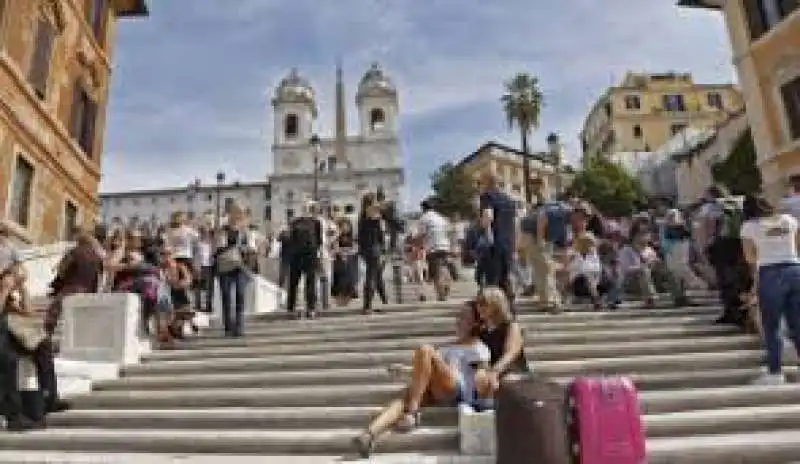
(267, 192)
(267, 213)
(154, 200)
(331, 163)
(289, 195)
(70, 220)
(377, 119)
(96, 14)
(228, 204)
(289, 214)
(637, 131)
(790, 94)
(715, 100)
(607, 109)
(209, 197)
(3, 4)
(84, 115)
(21, 192)
(135, 202)
(39, 72)
(632, 102)
(291, 127)
(674, 102)
(349, 209)
(676, 129)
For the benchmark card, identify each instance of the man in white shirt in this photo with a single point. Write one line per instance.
(325, 255)
(435, 232)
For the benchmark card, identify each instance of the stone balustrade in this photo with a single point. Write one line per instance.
(40, 264)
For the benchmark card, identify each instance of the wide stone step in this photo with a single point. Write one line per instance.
(391, 339)
(362, 376)
(238, 418)
(726, 420)
(655, 402)
(603, 365)
(541, 351)
(611, 356)
(440, 308)
(419, 317)
(224, 441)
(442, 326)
(773, 447)
(45, 457)
(660, 401)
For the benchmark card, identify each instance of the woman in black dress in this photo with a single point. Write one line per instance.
(345, 264)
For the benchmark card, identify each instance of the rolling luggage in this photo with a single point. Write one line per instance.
(606, 421)
(531, 422)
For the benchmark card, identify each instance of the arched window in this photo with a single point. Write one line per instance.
(377, 118)
(291, 126)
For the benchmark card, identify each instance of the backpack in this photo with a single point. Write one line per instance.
(729, 223)
(304, 235)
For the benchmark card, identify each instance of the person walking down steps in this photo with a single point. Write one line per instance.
(770, 244)
(305, 240)
(371, 246)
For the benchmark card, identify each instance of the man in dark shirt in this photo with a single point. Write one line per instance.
(498, 209)
(305, 240)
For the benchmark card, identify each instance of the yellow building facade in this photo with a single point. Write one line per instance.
(507, 164)
(55, 69)
(765, 38)
(646, 110)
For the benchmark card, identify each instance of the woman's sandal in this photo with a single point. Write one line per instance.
(409, 421)
(364, 444)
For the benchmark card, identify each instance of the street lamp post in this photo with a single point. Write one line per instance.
(554, 146)
(316, 147)
(220, 181)
(191, 192)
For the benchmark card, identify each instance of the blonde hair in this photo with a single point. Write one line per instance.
(495, 299)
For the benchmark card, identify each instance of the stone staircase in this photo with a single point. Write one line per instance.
(297, 391)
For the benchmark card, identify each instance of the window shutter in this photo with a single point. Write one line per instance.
(89, 121)
(76, 116)
(790, 94)
(42, 54)
(756, 19)
(96, 15)
(786, 7)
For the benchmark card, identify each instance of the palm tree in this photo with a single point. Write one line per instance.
(522, 105)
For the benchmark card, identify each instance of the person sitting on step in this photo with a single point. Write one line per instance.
(444, 375)
(503, 336)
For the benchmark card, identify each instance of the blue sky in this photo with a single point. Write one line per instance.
(192, 83)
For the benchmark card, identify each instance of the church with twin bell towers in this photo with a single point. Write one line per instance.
(341, 168)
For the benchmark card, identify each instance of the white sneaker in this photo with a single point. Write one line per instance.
(770, 379)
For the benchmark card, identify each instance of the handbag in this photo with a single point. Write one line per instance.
(230, 260)
(28, 331)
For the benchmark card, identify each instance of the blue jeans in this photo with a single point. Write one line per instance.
(233, 282)
(779, 297)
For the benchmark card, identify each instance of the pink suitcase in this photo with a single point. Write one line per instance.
(606, 421)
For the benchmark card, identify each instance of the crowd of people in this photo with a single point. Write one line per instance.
(557, 252)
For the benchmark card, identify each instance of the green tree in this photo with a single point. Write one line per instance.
(453, 191)
(739, 172)
(522, 104)
(609, 187)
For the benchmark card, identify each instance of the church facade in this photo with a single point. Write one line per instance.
(336, 170)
